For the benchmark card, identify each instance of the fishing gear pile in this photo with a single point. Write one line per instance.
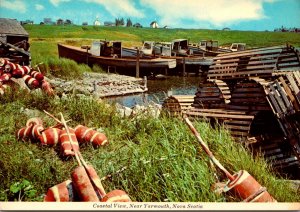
(32, 78)
(35, 131)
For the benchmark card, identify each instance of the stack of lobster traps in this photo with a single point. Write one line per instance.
(256, 95)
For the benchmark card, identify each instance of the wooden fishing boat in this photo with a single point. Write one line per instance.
(211, 48)
(102, 54)
(177, 49)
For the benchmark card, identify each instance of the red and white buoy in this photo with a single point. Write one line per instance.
(50, 136)
(9, 67)
(248, 189)
(47, 88)
(34, 121)
(24, 133)
(116, 196)
(36, 132)
(68, 146)
(63, 192)
(85, 134)
(31, 82)
(83, 185)
(5, 77)
(37, 75)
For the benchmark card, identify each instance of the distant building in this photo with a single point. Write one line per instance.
(109, 23)
(97, 22)
(166, 27)
(137, 25)
(60, 22)
(67, 22)
(26, 22)
(226, 29)
(85, 23)
(48, 21)
(154, 24)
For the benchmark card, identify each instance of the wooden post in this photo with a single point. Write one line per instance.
(145, 82)
(137, 70)
(166, 71)
(183, 64)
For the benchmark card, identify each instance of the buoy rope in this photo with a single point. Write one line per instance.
(206, 149)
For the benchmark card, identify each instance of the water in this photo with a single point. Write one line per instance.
(158, 90)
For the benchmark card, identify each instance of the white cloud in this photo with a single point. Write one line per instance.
(57, 2)
(119, 8)
(16, 5)
(39, 7)
(215, 12)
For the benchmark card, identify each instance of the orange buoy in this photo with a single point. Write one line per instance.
(67, 148)
(63, 192)
(83, 185)
(34, 121)
(37, 75)
(24, 133)
(248, 189)
(85, 134)
(5, 77)
(36, 132)
(47, 88)
(50, 136)
(31, 82)
(116, 196)
(96, 181)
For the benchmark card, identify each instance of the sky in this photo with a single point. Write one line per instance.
(253, 15)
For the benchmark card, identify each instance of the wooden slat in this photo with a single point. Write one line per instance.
(289, 93)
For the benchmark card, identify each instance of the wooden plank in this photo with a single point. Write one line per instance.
(247, 95)
(289, 93)
(294, 86)
(251, 89)
(283, 95)
(278, 99)
(245, 128)
(297, 77)
(260, 51)
(241, 73)
(273, 103)
(221, 116)
(221, 111)
(244, 134)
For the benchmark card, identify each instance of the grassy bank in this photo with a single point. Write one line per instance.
(163, 160)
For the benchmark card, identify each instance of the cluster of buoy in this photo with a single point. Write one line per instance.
(85, 185)
(82, 188)
(32, 78)
(57, 135)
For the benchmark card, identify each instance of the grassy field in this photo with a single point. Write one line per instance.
(162, 159)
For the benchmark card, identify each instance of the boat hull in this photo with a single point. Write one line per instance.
(82, 56)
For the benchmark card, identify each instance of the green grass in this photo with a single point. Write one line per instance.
(137, 35)
(164, 162)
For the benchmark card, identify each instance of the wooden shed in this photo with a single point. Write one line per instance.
(14, 41)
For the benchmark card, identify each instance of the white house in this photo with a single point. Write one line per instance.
(97, 22)
(154, 24)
